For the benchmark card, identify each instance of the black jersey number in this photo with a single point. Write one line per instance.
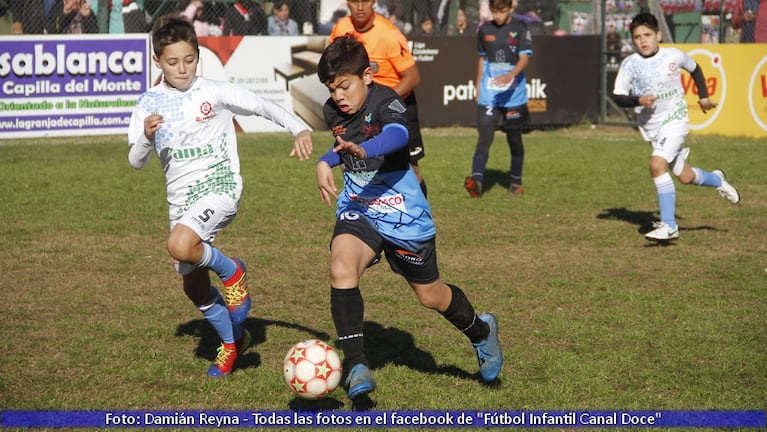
(206, 215)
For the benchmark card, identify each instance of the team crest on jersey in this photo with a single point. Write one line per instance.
(206, 109)
(396, 106)
(673, 68)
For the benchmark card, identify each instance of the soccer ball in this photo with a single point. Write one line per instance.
(312, 369)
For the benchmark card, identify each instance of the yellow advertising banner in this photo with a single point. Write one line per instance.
(736, 78)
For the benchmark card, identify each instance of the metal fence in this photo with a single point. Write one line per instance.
(215, 17)
(685, 21)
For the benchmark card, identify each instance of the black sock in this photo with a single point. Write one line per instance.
(348, 312)
(514, 138)
(461, 314)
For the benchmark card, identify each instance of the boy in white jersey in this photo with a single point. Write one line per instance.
(188, 121)
(649, 80)
(381, 209)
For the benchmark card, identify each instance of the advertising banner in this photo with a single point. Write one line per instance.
(88, 84)
(562, 80)
(81, 85)
(254, 63)
(736, 78)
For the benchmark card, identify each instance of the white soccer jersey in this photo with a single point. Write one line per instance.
(659, 75)
(196, 143)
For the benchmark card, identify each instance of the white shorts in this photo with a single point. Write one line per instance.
(209, 215)
(669, 147)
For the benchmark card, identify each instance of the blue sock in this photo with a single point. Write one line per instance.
(706, 178)
(213, 259)
(666, 199)
(218, 316)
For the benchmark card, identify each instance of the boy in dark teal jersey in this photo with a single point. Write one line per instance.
(381, 209)
(504, 46)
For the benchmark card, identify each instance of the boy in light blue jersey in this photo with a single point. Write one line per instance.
(504, 46)
(381, 209)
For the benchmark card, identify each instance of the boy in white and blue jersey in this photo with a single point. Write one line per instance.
(188, 121)
(381, 209)
(650, 82)
(504, 45)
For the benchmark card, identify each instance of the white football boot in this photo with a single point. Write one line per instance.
(726, 189)
(662, 232)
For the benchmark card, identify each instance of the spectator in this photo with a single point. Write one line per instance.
(280, 23)
(542, 15)
(396, 14)
(193, 11)
(442, 15)
(462, 25)
(76, 17)
(750, 16)
(34, 16)
(421, 9)
(425, 27)
(302, 12)
(246, 17)
(127, 16)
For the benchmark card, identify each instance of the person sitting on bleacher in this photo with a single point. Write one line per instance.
(280, 23)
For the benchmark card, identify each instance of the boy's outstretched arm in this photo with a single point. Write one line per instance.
(326, 182)
(393, 137)
(353, 149)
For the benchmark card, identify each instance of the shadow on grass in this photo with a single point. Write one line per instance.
(644, 222)
(391, 345)
(209, 340)
(495, 177)
(382, 346)
(325, 404)
(642, 219)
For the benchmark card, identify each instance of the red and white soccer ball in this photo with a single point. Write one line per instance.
(312, 369)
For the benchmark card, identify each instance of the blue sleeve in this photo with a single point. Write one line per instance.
(393, 137)
(332, 158)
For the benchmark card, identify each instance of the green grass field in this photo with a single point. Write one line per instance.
(592, 315)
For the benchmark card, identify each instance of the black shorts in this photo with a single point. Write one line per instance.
(415, 141)
(502, 118)
(416, 264)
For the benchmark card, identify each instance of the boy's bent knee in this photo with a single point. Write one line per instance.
(184, 247)
(435, 296)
